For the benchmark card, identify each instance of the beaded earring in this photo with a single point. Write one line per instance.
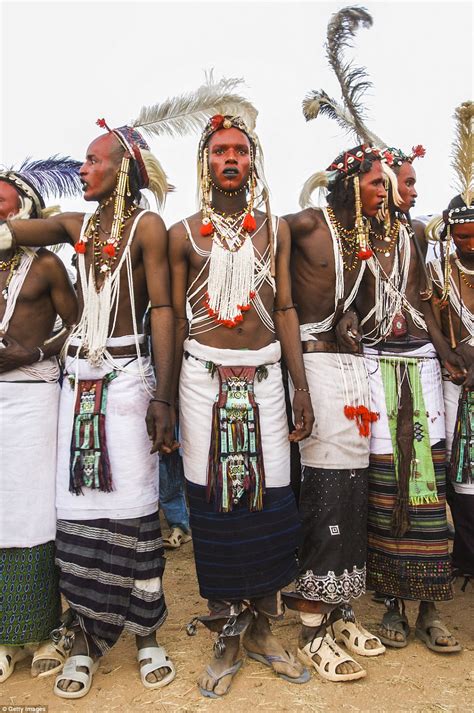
(364, 252)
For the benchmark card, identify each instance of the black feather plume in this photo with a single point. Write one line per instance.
(353, 81)
(54, 176)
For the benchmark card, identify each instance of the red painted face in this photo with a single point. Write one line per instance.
(9, 200)
(463, 236)
(372, 190)
(406, 180)
(229, 159)
(99, 171)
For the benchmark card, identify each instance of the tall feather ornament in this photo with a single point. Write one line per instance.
(55, 176)
(353, 80)
(463, 151)
(318, 102)
(179, 115)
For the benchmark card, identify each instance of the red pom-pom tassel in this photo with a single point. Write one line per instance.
(349, 412)
(80, 247)
(249, 223)
(365, 254)
(206, 229)
(109, 250)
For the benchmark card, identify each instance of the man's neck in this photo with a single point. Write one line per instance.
(345, 216)
(107, 211)
(466, 260)
(229, 203)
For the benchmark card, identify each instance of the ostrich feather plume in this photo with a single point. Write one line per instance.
(318, 102)
(317, 180)
(181, 114)
(55, 176)
(463, 151)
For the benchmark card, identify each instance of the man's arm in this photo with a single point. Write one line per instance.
(288, 332)
(153, 239)
(64, 302)
(178, 260)
(41, 232)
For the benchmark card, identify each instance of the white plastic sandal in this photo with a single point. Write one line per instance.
(354, 637)
(9, 657)
(175, 539)
(331, 656)
(158, 659)
(70, 673)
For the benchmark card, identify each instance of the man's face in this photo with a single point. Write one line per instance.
(463, 236)
(99, 171)
(229, 159)
(372, 190)
(9, 201)
(406, 179)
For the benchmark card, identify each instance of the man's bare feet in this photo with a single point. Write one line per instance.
(259, 639)
(432, 631)
(308, 633)
(144, 642)
(79, 648)
(394, 628)
(208, 682)
(43, 665)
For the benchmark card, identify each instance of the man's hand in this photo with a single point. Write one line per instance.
(348, 334)
(159, 427)
(303, 416)
(13, 355)
(455, 366)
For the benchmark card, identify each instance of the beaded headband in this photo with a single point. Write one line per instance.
(133, 142)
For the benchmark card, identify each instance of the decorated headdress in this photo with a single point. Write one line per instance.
(176, 116)
(461, 208)
(350, 115)
(38, 179)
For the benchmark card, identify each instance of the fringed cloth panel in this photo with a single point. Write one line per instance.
(100, 561)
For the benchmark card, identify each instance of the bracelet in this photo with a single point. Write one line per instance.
(41, 354)
(305, 390)
(161, 401)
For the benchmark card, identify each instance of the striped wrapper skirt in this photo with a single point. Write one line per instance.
(243, 555)
(417, 565)
(111, 575)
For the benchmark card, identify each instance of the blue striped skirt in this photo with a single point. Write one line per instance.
(241, 554)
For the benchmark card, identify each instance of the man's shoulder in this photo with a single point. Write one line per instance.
(178, 230)
(306, 221)
(46, 261)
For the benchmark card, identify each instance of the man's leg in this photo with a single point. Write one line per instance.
(258, 637)
(172, 498)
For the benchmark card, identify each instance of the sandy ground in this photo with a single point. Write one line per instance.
(411, 679)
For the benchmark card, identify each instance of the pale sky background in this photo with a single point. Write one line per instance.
(66, 63)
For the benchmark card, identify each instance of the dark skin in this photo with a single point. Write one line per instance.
(229, 166)
(149, 265)
(451, 324)
(46, 293)
(151, 284)
(312, 256)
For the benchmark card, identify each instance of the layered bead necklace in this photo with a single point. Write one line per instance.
(347, 239)
(12, 265)
(390, 239)
(463, 271)
(106, 250)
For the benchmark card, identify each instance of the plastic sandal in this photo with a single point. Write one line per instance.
(331, 657)
(158, 659)
(354, 637)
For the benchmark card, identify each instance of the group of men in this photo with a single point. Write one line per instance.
(341, 295)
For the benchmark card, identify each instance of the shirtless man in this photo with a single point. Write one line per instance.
(245, 522)
(405, 560)
(35, 290)
(107, 496)
(326, 272)
(453, 301)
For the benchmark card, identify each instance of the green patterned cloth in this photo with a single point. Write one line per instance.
(422, 482)
(30, 604)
